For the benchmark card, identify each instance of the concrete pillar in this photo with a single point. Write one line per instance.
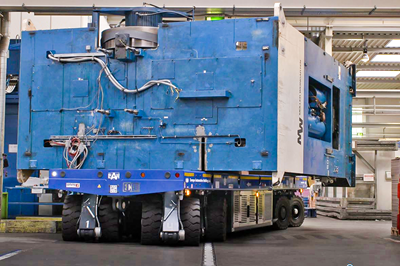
(328, 39)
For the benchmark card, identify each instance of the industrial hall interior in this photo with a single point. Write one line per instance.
(204, 133)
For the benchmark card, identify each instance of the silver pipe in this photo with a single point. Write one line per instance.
(376, 124)
(381, 135)
(376, 105)
(4, 43)
(359, 97)
(381, 114)
(373, 110)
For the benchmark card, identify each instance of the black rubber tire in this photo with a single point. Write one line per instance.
(152, 213)
(109, 221)
(191, 220)
(297, 218)
(282, 213)
(70, 217)
(216, 219)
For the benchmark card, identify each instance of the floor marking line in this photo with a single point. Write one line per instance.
(209, 258)
(393, 240)
(10, 254)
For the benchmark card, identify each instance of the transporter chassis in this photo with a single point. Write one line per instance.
(162, 206)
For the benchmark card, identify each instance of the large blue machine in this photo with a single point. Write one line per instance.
(156, 107)
(224, 116)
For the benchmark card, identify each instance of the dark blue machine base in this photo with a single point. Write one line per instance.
(137, 182)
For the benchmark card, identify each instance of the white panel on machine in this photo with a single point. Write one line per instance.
(290, 98)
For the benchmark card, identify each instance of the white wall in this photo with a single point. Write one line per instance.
(50, 22)
(45, 22)
(383, 164)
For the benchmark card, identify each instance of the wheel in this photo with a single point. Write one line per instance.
(70, 217)
(190, 217)
(152, 213)
(282, 213)
(216, 219)
(297, 210)
(109, 221)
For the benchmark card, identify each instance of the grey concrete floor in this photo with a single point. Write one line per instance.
(321, 241)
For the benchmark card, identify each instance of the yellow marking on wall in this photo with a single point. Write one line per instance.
(207, 175)
(218, 176)
(189, 174)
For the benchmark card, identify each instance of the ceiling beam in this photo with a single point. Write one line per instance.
(377, 93)
(337, 49)
(366, 35)
(379, 81)
(377, 67)
(202, 9)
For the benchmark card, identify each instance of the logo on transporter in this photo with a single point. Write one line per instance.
(300, 131)
(113, 175)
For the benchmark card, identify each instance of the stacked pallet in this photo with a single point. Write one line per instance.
(351, 209)
(395, 171)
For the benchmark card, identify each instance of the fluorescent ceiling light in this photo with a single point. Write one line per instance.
(377, 74)
(393, 43)
(386, 58)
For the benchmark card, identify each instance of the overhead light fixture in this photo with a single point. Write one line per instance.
(377, 74)
(393, 44)
(386, 58)
(365, 57)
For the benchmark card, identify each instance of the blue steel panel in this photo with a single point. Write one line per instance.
(13, 59)
(11, 129)
(116, 182)
(316, 159)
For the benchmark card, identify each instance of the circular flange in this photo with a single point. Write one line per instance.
(140, 36)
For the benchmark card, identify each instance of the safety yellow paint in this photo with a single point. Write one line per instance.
(207, 175)
(217, 176)
(189, 174)
(26, 226)
(233, 177)
(34, 218)
(250, 177)
(266, 178)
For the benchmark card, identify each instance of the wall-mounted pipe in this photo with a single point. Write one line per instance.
(4, 43)
(375, 125)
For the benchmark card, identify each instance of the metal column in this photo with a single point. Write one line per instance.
(4, 42)
(328, 39)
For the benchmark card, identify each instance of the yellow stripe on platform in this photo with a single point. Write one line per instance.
(33, 218)
(189, 174)
(266, 178)
(233, 177)
(207, 175)
(217, 176)
(250, 177)
(26, 226)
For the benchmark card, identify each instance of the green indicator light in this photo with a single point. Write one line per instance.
(215, 18)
